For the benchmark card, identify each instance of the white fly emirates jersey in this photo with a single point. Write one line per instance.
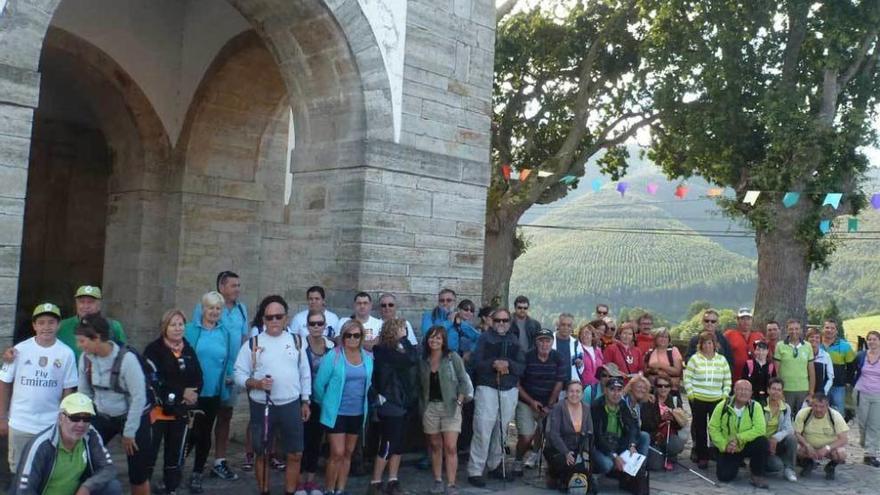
(38, 376)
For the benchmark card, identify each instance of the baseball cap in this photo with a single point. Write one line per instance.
(46, 308)
(88, 290)
(544, 334)
(744, 312)
(77, 403)
(615, 382)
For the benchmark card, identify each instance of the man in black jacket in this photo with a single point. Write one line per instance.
(68, 457)
(499, 362)
(524, 326)
(615, 429)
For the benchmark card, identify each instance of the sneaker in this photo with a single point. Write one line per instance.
(517, 468)
(375, 489)
(312, 488)
(829, 470)
(437, 488)
(300, 490)
(477, 481)
(221, 470)
(393, 488)
(277, 464)
(809, 464)
(248, 464)
(703, 464)
(531, 459)
(668, 466)
(872, 461)
(451, 490)
(195, 483)
(759, 482)
(788, 473)
(500, 474)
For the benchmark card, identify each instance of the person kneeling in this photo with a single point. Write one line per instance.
(68, 458)
(737, 429)
(569, 428)
(821, 434)
(616, 430)
(780, 432)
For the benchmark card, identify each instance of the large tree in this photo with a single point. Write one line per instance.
(567, 85)
(769, 95)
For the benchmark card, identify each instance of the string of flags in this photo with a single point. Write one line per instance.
(789, 199)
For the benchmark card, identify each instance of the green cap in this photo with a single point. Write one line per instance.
(89, 291)
(46, 308)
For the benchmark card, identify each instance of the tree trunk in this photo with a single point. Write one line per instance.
(783, 271)
(501, 249)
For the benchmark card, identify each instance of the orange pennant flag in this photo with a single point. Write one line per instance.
(681, 192)
(505, 171)
(524, 174)
(714, 192)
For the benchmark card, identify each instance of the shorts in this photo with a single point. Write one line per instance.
(526, 420)
(391, 430)
(18, 440)
(285, 419)
(435, 419)
(139, 464)
(232, 400)
(350, 425)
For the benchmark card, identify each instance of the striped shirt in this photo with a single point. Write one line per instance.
(707, 379)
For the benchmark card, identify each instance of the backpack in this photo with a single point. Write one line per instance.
(253, 345)
(810, 416)
(151, 377)
(651, 352)
(751, 366)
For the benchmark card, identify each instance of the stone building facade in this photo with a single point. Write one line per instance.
(146, 145)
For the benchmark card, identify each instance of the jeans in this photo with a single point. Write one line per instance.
(784, 458)
(603, 463)
(837, 398)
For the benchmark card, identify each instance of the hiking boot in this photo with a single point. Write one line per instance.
(703, 464)
(451, 490)
(375, 489)
(500, 474)
(393, 488)
(829, 470)
(809, 464)
(277, 464)
(195, 483)
(872, 461)
(221, 470)
(788, 473)
(517, 468)
(477, 481)
(759, 482)
(530, 460)
(248, 464)
(437, 488)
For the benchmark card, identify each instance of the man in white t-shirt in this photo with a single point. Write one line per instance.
(43, 372)
(363, 304)
(316, 300)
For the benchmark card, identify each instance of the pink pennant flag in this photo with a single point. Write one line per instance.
(652, 188)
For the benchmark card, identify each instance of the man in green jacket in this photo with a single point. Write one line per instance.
(87, 299)
(737, 429)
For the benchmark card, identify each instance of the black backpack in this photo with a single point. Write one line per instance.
(149, 370)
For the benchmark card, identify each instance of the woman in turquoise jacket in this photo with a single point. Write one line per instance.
(341, 386)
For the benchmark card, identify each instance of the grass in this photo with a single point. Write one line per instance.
(859, 327)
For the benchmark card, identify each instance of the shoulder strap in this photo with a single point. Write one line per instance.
(87, 369)
(241, 310)
(117, 366)
(751, 366)
(669, 355)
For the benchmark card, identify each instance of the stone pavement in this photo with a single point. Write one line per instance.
(853, 478)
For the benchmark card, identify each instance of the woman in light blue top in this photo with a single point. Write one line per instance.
(341, 386)
(216, 350)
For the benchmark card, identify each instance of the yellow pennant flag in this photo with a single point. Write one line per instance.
(714, 192)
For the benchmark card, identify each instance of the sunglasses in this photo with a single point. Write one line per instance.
(387, 305)
(663, 385)
(356, 336)
(277, 317)
(602, 313)
(79, 418)
(710, 321)
(501, 320)
(316, 323)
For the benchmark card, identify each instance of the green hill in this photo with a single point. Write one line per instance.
(859, 327)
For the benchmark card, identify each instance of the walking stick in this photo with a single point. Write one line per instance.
(190, 421)
(676, 461)
(501, 435)
(265, 488)
(544, 425)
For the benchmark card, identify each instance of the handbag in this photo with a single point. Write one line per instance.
(638, 484)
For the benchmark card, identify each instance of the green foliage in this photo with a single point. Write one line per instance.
(697, 307)
(693, 326)
(767, 95)
(633, 314)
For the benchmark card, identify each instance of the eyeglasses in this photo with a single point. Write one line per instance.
(316, 323)
(602, 313)
(356, 336)
(181, 363)
(277, 317)
(501, 320)
(79, 418)
(522, 307)
(663, 385)
(710, 321)
(387, 305)
(446, 299)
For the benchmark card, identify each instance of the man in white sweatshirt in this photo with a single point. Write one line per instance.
(274, 368)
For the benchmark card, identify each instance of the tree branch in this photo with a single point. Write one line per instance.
(858, 60)
(504, 9)
(797, 33)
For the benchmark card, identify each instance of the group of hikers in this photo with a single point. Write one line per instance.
(584, 399)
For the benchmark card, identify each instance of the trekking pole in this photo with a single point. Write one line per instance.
(190, 421)
(265, 487)
(501, 435)
(676, 461)
(544, 425)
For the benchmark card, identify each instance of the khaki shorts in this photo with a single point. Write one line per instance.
(526, 420)
(17, 442)
(435, 420)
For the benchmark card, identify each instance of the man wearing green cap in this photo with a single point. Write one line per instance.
(68, 459)
(42, 373)
(88, 302)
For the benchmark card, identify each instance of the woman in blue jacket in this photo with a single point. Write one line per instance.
(344, 377)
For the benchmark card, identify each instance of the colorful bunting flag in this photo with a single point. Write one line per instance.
(751, 197)
(832, 199)
(544, 173)
(524, 174)
(790, 199)
(568, 180)
(652, 188)
(714, 192)
(875, 201)
(825, 226)
(852, 225)
(622, 187)
(597, 184)
(681, 192)
(505, 171)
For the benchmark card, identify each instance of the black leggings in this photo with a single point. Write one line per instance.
(172, 432)
(313, 432)
(702, 411)
(203, 429)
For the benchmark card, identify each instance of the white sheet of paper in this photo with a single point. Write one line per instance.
(632, 462)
